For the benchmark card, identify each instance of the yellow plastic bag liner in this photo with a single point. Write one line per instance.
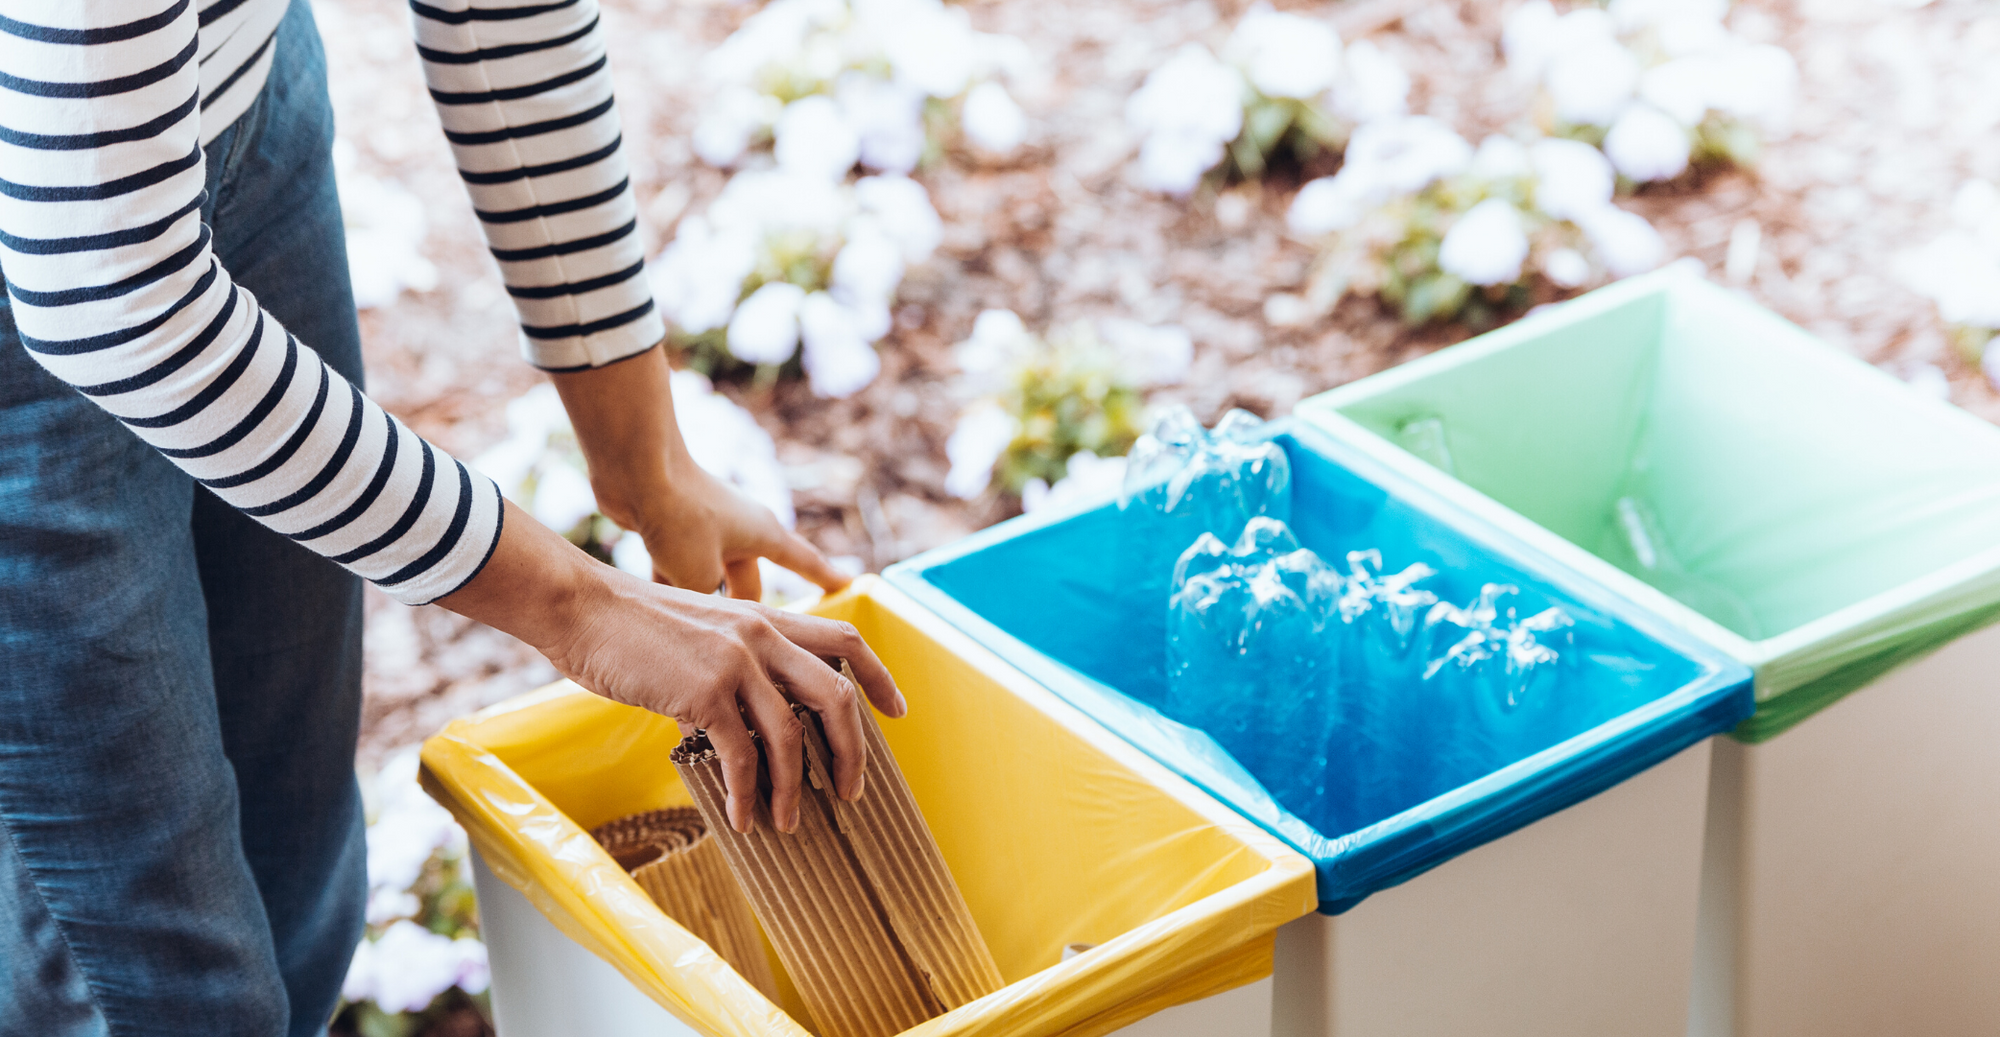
(1057, 831)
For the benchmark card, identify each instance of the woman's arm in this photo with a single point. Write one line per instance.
(116, 290)
(525, 95)
(709, 662)
(697, 528)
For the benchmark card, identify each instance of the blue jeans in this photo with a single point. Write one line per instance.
(180, 830)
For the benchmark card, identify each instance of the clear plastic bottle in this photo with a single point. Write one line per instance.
(1248, 659)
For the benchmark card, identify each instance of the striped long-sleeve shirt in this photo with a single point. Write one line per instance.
(104, 109)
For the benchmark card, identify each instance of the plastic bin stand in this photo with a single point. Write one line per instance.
(1816, 520)
(1063, 835)
(1553, 894)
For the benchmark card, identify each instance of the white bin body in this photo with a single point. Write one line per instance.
(1853, 874)
(546, 985)
(1579, 925)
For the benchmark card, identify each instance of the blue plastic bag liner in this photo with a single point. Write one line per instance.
(1055, 594)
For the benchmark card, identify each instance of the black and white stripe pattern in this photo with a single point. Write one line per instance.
(104, 110)
(115, 290)
(525, 97)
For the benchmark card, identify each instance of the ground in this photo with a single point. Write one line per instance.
(1899, 103)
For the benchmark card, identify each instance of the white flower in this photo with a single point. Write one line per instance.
(1591, 83)
(1533, 36)
(1566, 268)
(1173, 161)
(408, 828)
(700, 276)
(385, 905)
(1486, 246)
(385, 228)
(1151, 355)
(1679, 88)
(1372, 85)
(1188, 108)
(1572, 178)
(1647, 144)
(775, 201)
(1403, 155)
(409, 966)
(1976, 207)
(1755, 82)
(813, 138)
(931, 46)
(1190, 90)
(734, 119)
(1624, 241)
(993, 122)
(765, 329)
(562, 497)
(902, 210)
(998, 341)
(1958, 273)
(975, 446)
(838, 360)
(1930, 380)
(1285, 55)
(868, 267)
(1634, 15)
(1086, 477)
(887, 118)
(1329, 204)
(1500, 158)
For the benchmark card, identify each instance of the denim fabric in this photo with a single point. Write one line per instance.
(180, 831)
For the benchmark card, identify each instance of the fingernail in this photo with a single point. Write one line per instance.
(791, 821)
(902, 705)
(854, 793)
(738, 821)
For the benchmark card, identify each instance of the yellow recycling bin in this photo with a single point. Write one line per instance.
(1058, 832)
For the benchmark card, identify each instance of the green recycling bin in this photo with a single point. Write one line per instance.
(1822, 523)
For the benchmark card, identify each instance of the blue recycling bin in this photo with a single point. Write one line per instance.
(1587, 914)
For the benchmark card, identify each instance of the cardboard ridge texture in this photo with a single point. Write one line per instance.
(858, 901)
(671, 855)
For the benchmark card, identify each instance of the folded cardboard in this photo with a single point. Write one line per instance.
(672, 856)
(857, 901)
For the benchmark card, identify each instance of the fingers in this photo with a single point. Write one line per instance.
(739, 768)
(783, 738)
(701, 579)
(794, 552)
(832, 640)
(745, 581)
(819, 688)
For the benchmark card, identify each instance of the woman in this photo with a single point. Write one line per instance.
(191, 483)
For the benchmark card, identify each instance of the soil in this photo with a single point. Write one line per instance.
(1899, 101)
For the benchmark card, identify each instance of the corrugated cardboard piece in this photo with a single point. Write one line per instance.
(670, 854)
(858, 901)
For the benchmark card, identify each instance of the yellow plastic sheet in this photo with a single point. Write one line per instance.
(1057, 832)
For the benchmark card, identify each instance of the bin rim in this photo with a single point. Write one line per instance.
(1975, 578)
(1280, 892)
(1403, 846)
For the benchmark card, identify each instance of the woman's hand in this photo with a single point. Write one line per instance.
(710, 663)
(700, 531)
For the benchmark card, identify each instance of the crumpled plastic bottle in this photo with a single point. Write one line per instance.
(1495, 680)
(1249, 660)
(1208, 480)
(1181, 481)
